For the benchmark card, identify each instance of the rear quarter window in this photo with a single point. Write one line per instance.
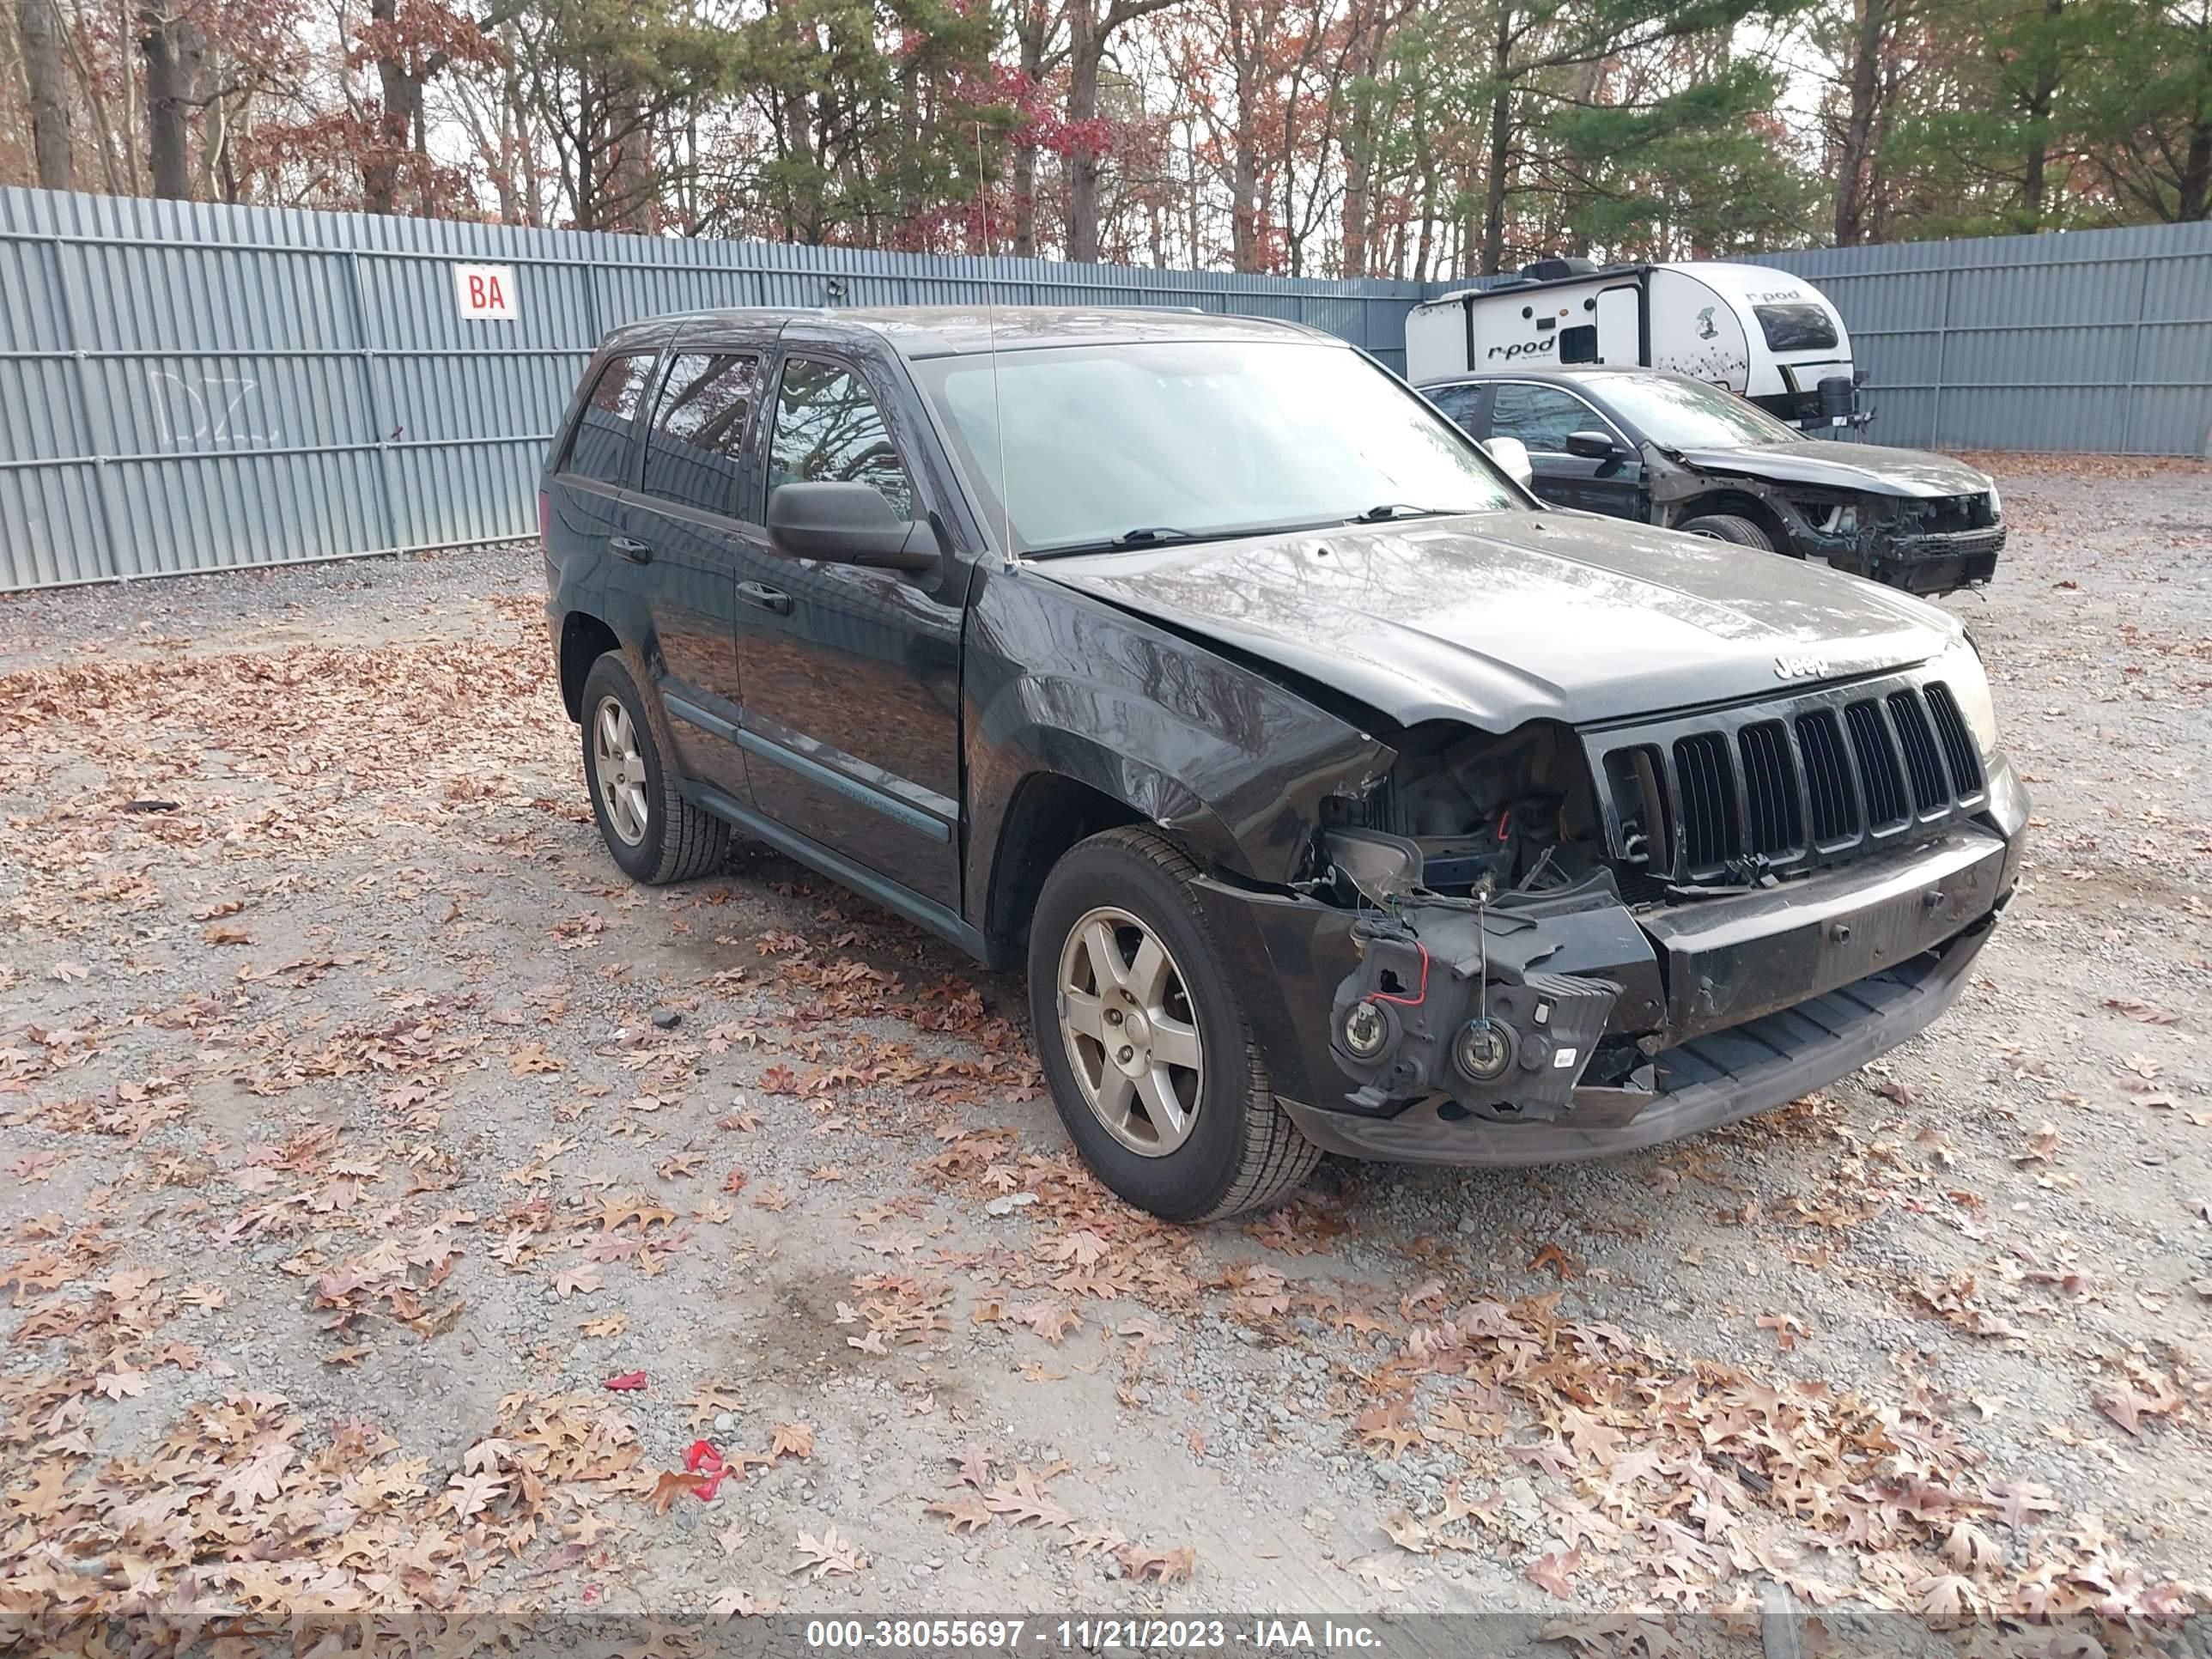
(600, 446)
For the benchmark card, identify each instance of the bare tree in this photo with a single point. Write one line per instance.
(1038, 51)
(1090, 33)
(40, 24)
(1858, 150)
(169, 98)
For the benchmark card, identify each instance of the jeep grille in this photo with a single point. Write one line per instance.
(1812, 780)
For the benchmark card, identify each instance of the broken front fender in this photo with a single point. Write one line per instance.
(1236, 763)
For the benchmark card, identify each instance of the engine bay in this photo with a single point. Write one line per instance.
(1479, 816)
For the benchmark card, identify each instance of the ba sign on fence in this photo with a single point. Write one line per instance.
(486, 291)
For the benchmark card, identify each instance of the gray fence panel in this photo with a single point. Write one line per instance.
(191, 386)
(2098, 340)
(187, 386)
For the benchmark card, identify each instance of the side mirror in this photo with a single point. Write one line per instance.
(1512, 455)
(849, 524)
(1592, 445)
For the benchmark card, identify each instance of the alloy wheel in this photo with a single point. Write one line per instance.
(1131, 1035)
(620, 770)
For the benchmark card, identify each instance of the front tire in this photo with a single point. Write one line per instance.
(1145, 1040)
(653, 833)
(1729, 527)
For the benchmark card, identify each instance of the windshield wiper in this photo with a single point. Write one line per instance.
(1384, 512)
(1150, 535)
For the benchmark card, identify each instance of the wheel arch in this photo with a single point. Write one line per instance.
(1738, 504)
(1048, 813)
(584, 640)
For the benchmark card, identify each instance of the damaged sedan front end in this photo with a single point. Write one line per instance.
(1665, 449)
(1845, 509)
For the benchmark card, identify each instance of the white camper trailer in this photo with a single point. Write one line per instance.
(1762, 333)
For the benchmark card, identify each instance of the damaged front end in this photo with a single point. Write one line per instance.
(1917, 545)
(1548, 945)
(1495, 952)
(1506, 1007)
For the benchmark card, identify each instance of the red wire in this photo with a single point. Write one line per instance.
(1412, 1001)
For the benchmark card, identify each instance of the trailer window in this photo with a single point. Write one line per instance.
(1796, 327)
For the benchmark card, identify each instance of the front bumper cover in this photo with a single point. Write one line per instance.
(1709, 1081)
(1727, 1006)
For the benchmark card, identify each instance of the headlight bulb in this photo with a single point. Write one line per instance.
(1485, 1049)
(1365, 1031)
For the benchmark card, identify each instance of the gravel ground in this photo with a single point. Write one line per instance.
(396, 1196)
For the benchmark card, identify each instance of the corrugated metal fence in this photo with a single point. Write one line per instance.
(185, 386)
(2094, 340)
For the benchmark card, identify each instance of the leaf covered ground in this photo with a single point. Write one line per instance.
(403, 1216)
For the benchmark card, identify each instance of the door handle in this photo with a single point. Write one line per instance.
(631, 549)
(766, 598)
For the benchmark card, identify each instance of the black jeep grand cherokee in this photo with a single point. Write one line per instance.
(1339, 795)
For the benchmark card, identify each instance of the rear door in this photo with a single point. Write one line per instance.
(852, 675)
(593, 476)
(1542, 416)
(691, 523)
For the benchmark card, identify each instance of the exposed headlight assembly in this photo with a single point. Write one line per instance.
(1996, 504)
(1960, 668)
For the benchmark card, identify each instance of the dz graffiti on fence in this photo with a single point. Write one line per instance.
(219, 409)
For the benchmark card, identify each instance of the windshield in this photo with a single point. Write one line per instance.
(1678, 413)
(1191, 440)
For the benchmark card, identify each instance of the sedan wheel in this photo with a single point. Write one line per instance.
(1132, 1039)
(620, 769)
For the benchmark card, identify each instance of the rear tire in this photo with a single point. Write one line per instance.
(1729, 527)
(1189, 1142)
(653, 833)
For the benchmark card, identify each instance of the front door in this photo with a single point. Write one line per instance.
(1542, 418)
(852, 675)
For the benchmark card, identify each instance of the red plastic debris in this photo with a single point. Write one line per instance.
(704, 1460)
(625, 1383)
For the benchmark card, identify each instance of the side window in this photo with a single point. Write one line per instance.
(694, 454)
(1458, 402)
(829, 430)
(1539, 418)
(1578, 345)
(600, 447)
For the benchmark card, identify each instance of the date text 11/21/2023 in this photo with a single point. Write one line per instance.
(1016, 1636)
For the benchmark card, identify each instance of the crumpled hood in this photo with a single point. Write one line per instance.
(1496, 618)
(1919, 473)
